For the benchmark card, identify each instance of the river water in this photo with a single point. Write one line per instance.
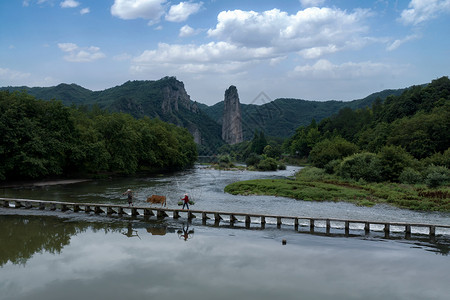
(56, 255)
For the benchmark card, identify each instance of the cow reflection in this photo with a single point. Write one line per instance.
(157, 230)
(185, 233)
(130, 232)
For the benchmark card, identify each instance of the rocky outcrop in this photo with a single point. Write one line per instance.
(174, 96)
(232, 118)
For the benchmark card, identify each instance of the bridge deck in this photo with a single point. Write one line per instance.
(161, 212)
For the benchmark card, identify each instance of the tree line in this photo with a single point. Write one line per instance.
(45, 138)
(403, 139)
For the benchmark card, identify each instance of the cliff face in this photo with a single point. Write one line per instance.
(175, 95)
(232, 118)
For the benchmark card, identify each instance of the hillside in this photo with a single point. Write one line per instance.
(165, 99)
(282, 116)
(168, 100)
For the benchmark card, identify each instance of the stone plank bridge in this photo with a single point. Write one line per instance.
(231, 217)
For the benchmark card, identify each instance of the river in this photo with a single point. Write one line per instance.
(56, 255)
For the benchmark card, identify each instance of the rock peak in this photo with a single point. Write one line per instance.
(232, 119)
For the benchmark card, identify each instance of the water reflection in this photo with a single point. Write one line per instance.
(96, 260)
(185, 233)
(130, 232)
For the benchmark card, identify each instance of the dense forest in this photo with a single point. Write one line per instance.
(402, 139)
(45, 138)
(165, 99)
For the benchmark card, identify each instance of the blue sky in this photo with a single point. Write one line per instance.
(307, 49)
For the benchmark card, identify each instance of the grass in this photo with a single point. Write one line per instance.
(312, 184)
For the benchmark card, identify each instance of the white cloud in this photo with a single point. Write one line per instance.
(316, 52)
(151, 10)
(9, 75)
(187, 31)
(423, 10)
(311, 3)
(77, 54)
(248, 37)
(324, 69)
(220, 57)
(85, 11)
(312, 27)
(182, 11)
(69, 4)
(397, 43)
(26, 3)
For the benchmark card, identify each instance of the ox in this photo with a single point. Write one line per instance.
(157, 199)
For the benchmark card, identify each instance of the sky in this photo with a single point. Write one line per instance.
(305, 49)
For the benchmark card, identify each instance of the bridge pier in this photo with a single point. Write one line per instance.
(191, 215)
(110, 211)
(432, 231)
(217, 217)
(247, 221)
(148, 212)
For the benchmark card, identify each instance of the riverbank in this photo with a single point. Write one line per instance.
(312, 184)
(18, 184)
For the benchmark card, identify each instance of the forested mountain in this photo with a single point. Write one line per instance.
(280, 118)
(168, 100)
(165, 99)
(405, 133)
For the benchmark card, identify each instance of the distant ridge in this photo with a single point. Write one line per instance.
(168, 100)
(280, 118)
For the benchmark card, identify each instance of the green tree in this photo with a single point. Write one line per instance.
(363, 165)
(394, 160)
(331, 149)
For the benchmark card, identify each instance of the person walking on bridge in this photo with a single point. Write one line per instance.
(185, 201)
(129, 194)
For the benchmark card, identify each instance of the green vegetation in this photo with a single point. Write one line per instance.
(165, 99)
(397, 140)
(258, 154)
(314, 184)
(45, 138)
(396, 152)
(280, 117)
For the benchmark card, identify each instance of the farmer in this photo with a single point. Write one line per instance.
(185, 201)
(129, 194)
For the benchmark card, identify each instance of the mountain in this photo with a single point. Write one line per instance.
(282, 116)
(168, 100)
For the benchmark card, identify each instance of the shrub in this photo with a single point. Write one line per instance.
(225, 161)
(333, 166)
(253, 159)
(267, 164)
(281, 166)
(394, 160)
(436, 176)
(366, 166)
(439, 159)
(410, 176)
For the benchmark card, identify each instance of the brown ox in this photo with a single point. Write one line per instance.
(157, 199)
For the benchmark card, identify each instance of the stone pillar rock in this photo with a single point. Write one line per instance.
(232, 119)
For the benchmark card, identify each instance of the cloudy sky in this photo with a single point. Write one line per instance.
(308, 49)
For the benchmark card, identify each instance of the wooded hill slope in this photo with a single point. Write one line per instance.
(407, 133)
(167, 100)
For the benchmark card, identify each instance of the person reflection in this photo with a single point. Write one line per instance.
(130, 232)
(185, 233)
